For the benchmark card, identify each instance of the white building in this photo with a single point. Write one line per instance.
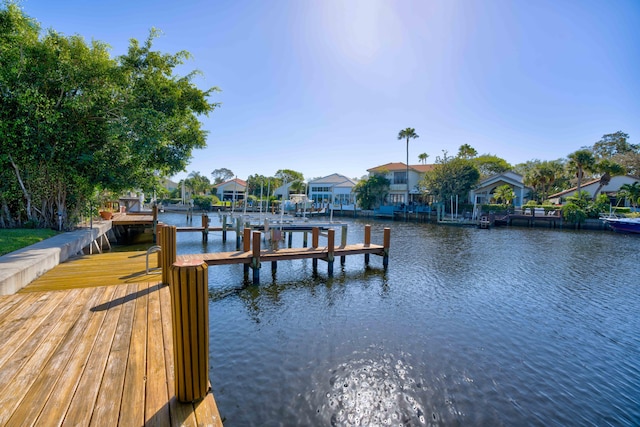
(485, 188)
(231, 190)
(333, 189)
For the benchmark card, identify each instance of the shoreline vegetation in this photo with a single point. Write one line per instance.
(17, 238)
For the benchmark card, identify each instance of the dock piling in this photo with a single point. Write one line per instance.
(255, 259)
(246, 247)
(315, 234)
(386, 244)
(331, 235)
(168, 250)
(343, 242)
(367, 241)
(189, 287)
(205, 228)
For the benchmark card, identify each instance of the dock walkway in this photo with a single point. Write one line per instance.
(81, 353)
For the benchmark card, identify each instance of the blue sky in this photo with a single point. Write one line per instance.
(324, 86)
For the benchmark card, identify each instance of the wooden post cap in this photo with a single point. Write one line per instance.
(188, 263)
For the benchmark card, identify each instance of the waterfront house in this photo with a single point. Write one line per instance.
(284, 191)
(396, 173)
(485, 188)
(590, 187)
(231, 190)
(333, 189)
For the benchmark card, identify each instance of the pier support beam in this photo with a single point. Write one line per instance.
(315, 234)
(386, 245)
(331, 235)
(224, 228)
(190, 314)
(168, 250)
(255, 259)
(205, 228)
(367, 242)
(246, 247)
(343, 241)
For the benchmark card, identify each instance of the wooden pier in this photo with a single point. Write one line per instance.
(78, 352)
(251, 254)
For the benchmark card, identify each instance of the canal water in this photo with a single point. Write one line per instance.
(507, 326)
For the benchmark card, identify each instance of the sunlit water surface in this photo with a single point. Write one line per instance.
(507, 326)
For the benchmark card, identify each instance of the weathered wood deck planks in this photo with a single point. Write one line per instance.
(99, 355)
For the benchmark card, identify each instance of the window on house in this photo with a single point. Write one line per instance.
(400, 177)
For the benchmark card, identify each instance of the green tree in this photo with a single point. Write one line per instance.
(407, 134)
(467, 152)
(451, 177)
(423, 158)
(197, 183)
(617, 148)
(74, 120)
(607, 169)
(542, 176)
(504, 194)
(221, 175)
(488, 165)
(370, 192)
(580, 162)
(631, 192)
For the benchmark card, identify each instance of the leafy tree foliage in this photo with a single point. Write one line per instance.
(261, 185)
(488, 164)
(467, 152)
(631, 192)
(616, 148)
(545, 177)
(75, 121)
(221, 175)
(580, 162)
(423, 158)
(370, 192)
(197, 183)
(451, 177)
(504, 194)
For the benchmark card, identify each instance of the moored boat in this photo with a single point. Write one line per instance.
(624, 225)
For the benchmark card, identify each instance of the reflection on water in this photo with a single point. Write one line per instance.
(508, 326)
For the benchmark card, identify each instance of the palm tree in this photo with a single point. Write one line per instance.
(504, 193)
(632, 192)
(408, 133)
(608, 169)
(581, 161)
(423, 158)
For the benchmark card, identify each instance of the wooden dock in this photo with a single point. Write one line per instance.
(252, 255)
(78, 352)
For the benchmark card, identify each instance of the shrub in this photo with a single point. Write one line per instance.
(572, 212)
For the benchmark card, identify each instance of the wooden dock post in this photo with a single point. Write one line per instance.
(224, 228)
(205, 228)
(386, 245)
(343, 241)
(238, 228)
(290, 241)
(304, 239)
(168, 250)
(367, 242)
(154, 211)
(246, 247)
(331, 235)
(255, 260)
(315, 233)
(190, 313)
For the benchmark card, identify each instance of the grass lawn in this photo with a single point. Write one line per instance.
(14, 239)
